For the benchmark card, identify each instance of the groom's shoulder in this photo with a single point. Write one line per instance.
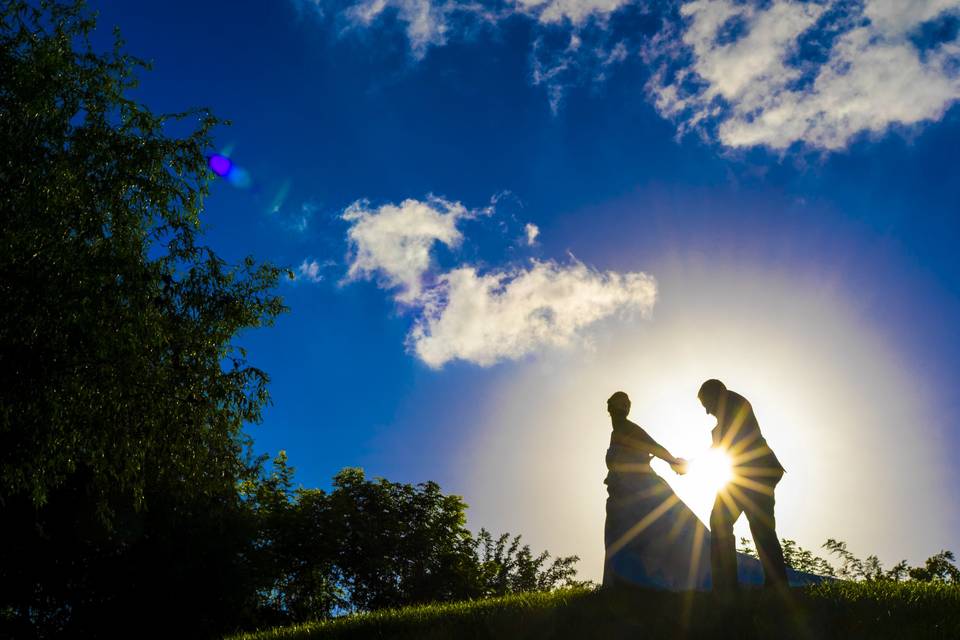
(736, 400)
(739, 409)
(731, 394)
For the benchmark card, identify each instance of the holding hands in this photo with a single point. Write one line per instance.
(679, 465)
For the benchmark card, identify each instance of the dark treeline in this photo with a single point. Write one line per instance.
(939, 567)
(373, 544)
(191, 566)
(130, 503)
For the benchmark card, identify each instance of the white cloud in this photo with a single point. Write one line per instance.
(532, 231)
(310, 270)
(506, 315)
(892, 16)
(734, 68)
(757, 92)
(429, 22)
(393, 242)
(574, 11)
(483, 318)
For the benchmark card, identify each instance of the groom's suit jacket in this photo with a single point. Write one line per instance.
(738, 432)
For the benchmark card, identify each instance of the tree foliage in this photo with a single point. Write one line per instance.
(115, 322)
(801, 559)
(371, 544)
(122, 392)
(937, 568)
(507, 567)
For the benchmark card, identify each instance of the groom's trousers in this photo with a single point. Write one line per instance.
(757, 503)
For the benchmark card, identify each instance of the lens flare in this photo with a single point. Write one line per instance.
(239, 177)
(226, 169)
(220, 165)
(712, 470)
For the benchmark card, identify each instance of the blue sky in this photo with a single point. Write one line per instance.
(694, 174)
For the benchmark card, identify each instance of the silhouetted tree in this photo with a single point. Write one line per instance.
(296, 549)
(801, 559)
(122, 394)
(507, 567)
(937, 568)
(898, 571)
(398, 544)
(370, 543)
(746, 548)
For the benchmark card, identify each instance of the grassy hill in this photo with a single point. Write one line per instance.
(840, 610)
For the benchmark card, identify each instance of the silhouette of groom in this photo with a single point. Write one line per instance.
(756, 472)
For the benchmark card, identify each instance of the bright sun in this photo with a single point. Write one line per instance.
(710, 471)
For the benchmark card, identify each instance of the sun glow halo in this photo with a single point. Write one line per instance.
(711, 470)
(834, 422)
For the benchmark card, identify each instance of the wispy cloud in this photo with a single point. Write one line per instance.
(585, 55)
(819, 73)
(431, 22)
(301, 220)
(532, 231)
(434, 23)
(481, 317)
(427, 22)
(311, 270)
(573, 11)
(293, 218)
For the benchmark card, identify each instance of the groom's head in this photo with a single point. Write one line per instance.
(710, 394)
(618, 405)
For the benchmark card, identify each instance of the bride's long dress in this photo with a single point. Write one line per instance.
(652, 538)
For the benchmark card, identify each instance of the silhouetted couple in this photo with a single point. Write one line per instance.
(653, 539)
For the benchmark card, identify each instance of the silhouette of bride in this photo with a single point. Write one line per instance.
(652, 538)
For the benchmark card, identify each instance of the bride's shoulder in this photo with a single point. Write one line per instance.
(628, 428)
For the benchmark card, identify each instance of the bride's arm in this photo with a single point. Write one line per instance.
(640, 439)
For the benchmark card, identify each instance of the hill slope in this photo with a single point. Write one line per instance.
(840, 610)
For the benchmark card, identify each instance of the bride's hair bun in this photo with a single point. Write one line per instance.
(617, 399)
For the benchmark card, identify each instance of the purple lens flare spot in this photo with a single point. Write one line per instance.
(220, 165)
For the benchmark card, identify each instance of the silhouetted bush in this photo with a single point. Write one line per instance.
(937, 568)
(372, 544)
